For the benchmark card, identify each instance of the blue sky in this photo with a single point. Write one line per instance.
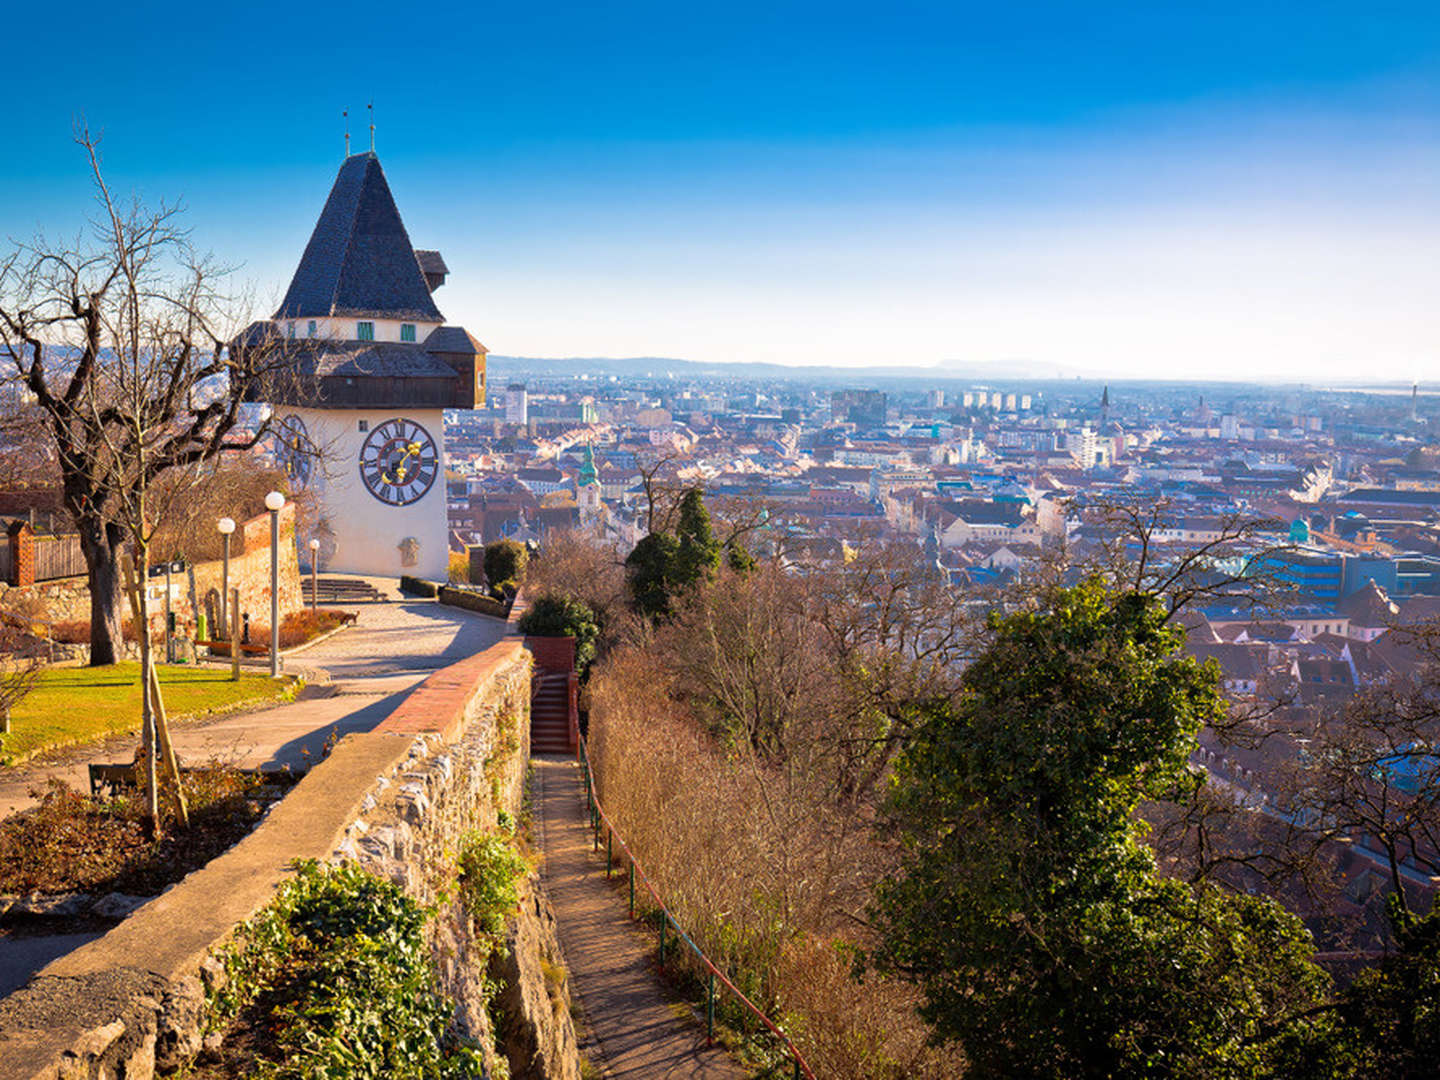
(1200, 190)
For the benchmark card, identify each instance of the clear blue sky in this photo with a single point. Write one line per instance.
(1200, 189)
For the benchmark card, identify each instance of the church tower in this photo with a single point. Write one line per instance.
(587, 487)
(360, 416)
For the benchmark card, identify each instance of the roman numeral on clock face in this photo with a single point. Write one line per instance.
(399, 462)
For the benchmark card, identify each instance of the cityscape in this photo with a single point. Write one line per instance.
(623, 543)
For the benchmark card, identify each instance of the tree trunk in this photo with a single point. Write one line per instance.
(100, 543)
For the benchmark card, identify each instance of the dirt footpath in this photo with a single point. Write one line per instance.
(636, 1021)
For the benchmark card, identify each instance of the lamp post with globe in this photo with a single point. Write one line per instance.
(314, 574)
(274, 502)
(227, 527)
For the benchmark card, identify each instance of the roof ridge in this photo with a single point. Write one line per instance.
(349, 235)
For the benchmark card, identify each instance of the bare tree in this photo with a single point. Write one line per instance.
(121, 338)
(1230, 566)
(1371, 774)
(662, 499)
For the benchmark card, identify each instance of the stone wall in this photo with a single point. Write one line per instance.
(68, 599)
(398, 801)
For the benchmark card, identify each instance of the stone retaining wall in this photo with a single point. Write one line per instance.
(68, 599)
(397, 800)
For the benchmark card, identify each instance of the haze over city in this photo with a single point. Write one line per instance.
(1240, 192)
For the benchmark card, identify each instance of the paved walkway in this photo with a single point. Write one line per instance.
(372, 666)
(629, 1011)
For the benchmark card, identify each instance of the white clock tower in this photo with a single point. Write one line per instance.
(361, 416)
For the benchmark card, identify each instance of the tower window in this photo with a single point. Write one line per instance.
(407, 331)
(310, 330)
(365, 331)
(364, 425)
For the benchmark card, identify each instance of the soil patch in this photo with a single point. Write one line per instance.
(71, 843)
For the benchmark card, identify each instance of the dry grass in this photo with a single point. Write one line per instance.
(768, 875)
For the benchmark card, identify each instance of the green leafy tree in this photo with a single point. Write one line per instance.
(651, 570)
(505, 563)
(738, 557)
(1027, 907)
(554, 615)
(698, 553)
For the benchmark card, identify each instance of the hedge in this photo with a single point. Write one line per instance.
(417, 586)
(474, 601)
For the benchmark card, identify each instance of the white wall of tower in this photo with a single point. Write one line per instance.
(369, 534)
(335, 329)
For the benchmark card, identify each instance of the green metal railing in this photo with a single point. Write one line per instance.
(599, 822)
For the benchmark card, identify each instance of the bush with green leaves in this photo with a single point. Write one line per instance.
(340, 962)
(490, 874)
(505, 564)
(553, 615)
(1028, 908)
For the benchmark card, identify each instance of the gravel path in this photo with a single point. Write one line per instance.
(637, 1023)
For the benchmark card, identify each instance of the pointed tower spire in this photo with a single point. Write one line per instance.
(359, 262)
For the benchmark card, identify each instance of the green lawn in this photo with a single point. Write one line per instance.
(75, 705)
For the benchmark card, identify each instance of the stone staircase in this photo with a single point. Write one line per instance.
(550, 713)
(344, 590)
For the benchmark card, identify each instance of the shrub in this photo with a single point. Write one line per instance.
(475, 601)
(296, 628)
(505, 561)
(77, 631)
(414, 586)
(552, 615)
(490, 873)
(336, 974)
(459, 568)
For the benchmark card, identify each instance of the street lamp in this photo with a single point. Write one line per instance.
(226, 526)
(315, 574)
(273, 502)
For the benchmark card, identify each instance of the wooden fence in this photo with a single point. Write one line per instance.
(58, 557)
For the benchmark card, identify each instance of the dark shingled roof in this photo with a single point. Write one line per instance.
(453, 339)
(430, 261)
(359, 261)
(386, 359)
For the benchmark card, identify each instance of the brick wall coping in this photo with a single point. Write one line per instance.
(438, 705)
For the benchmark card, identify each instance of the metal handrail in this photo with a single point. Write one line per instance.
(598, 816)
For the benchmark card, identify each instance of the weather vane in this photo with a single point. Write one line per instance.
(371, 107)
(346, 114)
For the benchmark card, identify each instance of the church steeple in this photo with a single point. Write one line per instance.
(588, 475)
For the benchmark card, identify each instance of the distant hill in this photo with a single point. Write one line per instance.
(502, 367)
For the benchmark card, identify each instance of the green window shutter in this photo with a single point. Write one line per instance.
(365, 331)
(407, 331)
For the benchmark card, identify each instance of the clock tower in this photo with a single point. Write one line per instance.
(372, 367)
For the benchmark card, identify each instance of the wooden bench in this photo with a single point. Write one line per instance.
(113, 779)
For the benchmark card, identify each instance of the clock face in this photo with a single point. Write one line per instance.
(294, 450)
(399, 462)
